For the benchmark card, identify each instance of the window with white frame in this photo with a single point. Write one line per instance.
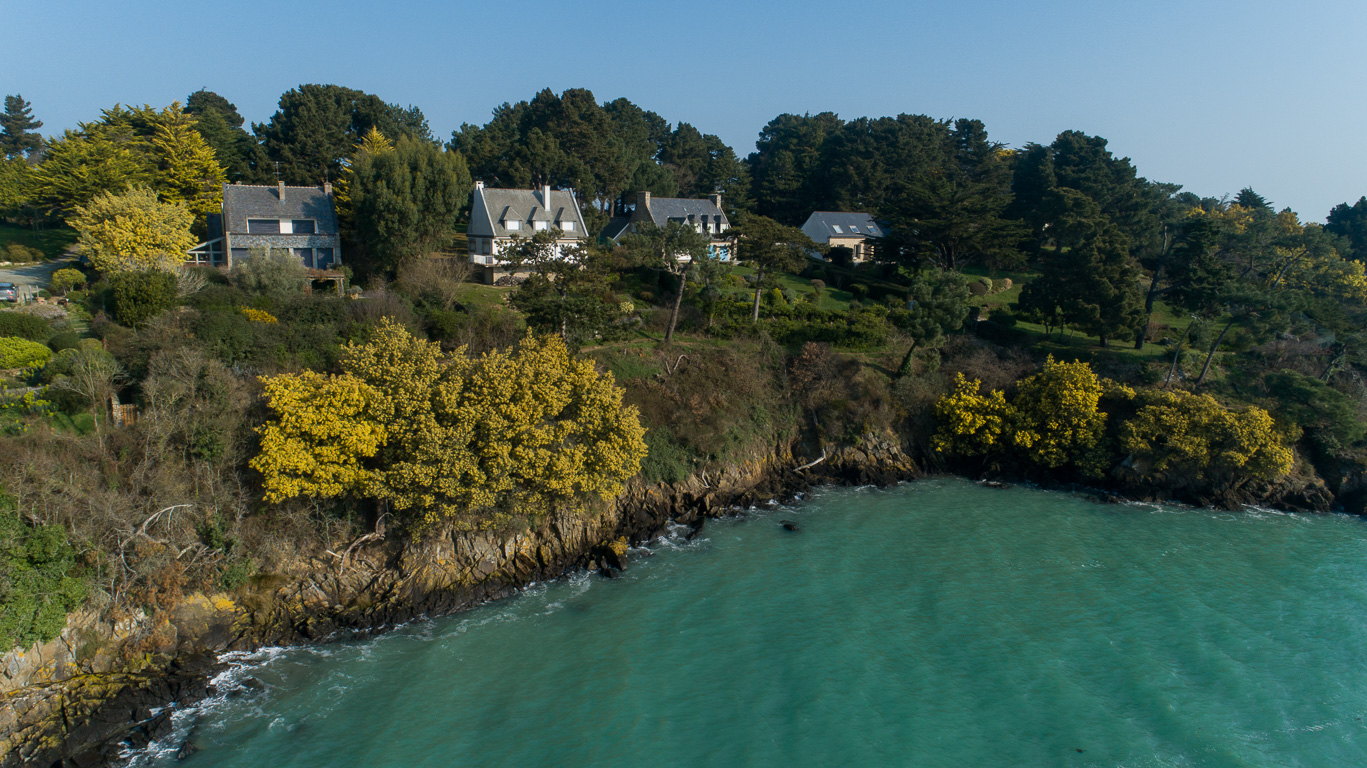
(567, 226)
(512, 224)
(539, 225)
(837, 229)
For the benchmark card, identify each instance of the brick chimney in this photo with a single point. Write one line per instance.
(327, 188)
(280, 190)
(479, 185)
(643, 202)
(715, 197)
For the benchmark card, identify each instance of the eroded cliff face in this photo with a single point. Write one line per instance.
(76, 698)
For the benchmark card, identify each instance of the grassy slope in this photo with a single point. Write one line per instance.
(52, 241)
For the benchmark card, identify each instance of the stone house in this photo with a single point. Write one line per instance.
(301, 220)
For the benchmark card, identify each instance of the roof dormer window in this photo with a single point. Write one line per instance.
(539, 225)
(567, 226)
(512, 224)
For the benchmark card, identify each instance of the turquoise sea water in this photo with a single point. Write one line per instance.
(937, 624)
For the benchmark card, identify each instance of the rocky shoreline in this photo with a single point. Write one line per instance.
(77, 700)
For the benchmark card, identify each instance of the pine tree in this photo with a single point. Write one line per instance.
(218, 121)
(1092, 286)
(17, 135)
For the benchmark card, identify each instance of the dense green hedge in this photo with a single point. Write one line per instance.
(23, 325)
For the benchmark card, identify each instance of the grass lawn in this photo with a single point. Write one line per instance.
(999, 299)
(831, 297)
(1071, 342)
(486, 296)
(52, 241)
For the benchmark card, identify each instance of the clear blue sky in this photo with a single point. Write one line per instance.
(1215, 94)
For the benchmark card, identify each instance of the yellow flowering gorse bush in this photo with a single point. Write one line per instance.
(1196, 435)
(258, 315)
(482, 442)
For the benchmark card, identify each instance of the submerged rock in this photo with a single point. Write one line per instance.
(789, 525)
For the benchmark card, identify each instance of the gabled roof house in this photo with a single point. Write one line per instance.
(849, 230)
(498, 216)
(704, 214)
(302, 220)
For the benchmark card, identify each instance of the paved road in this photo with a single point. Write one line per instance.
(31, 278)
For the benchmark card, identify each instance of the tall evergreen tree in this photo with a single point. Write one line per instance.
(676, 248)
(956, 213)
(1090, 283)
(187, 170)
(18, 134)
(218, 121)
(1252, 200)
(938, 304)
(1350, 223)
(77, 168)
(406, 200)
(317, 126)
(785, 166)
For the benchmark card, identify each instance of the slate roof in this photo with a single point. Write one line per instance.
(248, 201)
(615, 226)
(820, 226)
(490, 208)
(662, 209)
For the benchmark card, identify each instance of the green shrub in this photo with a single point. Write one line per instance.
(140, 296)
(235, 573)
(667, 461)
(226, 333)
(63, 280)
(1003, 318)
(22, 353)
(270, 271)
(23, 325)
(64, 340)
(40, 580)
(22, 254)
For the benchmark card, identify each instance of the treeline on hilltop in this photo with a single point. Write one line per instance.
(177, 428)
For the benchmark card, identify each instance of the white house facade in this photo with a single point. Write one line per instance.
(498, 217)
